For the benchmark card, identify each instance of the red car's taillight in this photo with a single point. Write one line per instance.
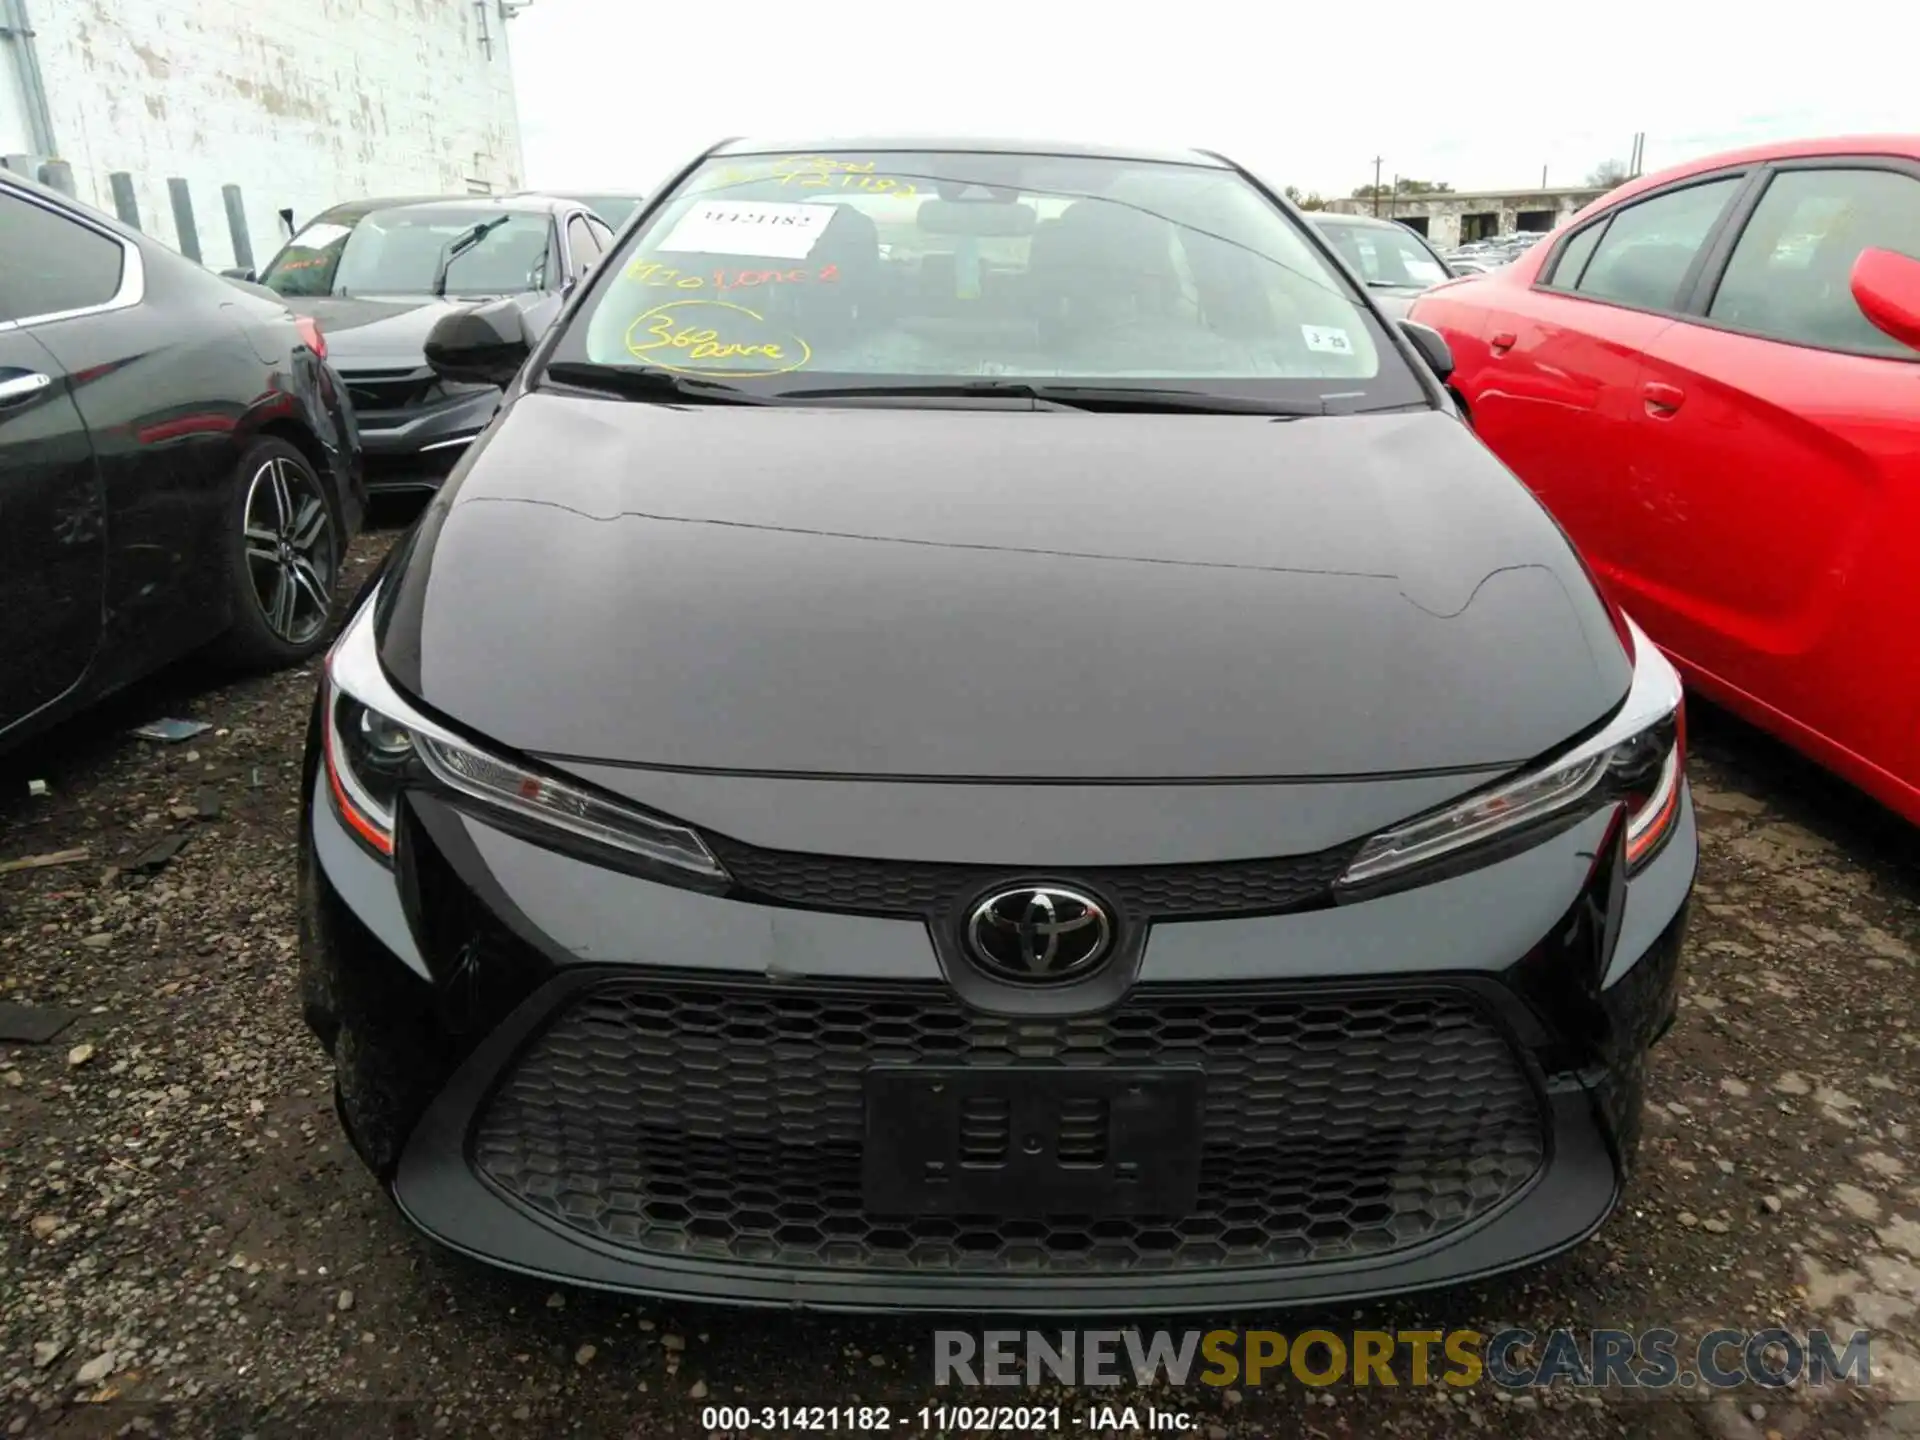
(310, 332)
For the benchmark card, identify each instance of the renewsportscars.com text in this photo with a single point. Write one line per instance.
(1514, 1359)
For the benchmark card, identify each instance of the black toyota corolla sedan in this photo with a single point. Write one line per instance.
(978, 735)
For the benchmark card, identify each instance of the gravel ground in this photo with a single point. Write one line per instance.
(187, 1246)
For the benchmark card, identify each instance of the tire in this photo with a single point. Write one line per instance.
(284, 548)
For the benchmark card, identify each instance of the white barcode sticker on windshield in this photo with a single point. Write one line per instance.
(750, 227)
(1327, 339)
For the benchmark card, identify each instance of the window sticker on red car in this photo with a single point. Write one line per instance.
(1327, 339)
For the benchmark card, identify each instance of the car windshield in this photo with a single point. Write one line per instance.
(399, 252)
(1387, 256)
(971, 267)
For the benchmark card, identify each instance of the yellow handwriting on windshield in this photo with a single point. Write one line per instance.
(811, 172)
(652, 272)
(714, 337)
(818, 172)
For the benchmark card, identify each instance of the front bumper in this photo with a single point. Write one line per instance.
(429, 425)
(526, 1043)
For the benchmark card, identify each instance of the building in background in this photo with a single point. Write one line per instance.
(1448, 218)
(147, 107)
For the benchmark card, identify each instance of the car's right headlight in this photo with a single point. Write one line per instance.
(1637, 760)
(377, 744)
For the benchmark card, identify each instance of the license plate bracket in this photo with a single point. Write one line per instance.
(1027, 1141)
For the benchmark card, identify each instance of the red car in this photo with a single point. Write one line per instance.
(1711, 376)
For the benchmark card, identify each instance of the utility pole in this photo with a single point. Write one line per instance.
(1393, 201)
(1378, 160)
(1543, 177)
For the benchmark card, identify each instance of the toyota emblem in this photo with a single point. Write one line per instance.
(1039, 933)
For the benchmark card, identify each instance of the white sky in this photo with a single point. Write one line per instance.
(1481, 93)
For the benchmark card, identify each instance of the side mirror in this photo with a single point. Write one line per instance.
(486, 344)
(1886, 286)
(1432, 346)
(246, 275)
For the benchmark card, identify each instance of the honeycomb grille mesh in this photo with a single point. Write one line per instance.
(725, 1121)
(1144, 892)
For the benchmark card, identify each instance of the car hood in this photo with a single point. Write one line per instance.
(376, 332)
(895, 592)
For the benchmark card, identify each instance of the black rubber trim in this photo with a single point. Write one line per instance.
(437, 1190)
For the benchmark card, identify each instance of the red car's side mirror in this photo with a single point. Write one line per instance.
(1886, 286)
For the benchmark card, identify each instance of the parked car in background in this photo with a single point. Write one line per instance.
(612, 208)
(1393, 261)
(1712, 380)
(378, 273)
(898, 780)
(1480, 254)
(177, 463)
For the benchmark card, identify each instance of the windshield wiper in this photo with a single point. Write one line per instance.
(460, 245)
(640, 382)
(1140, 399)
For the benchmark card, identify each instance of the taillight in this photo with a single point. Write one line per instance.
(310, 332)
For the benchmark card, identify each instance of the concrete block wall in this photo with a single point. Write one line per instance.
(302, 103)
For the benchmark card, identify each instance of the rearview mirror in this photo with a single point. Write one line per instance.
(1886, 287)
(486, 344)
(1432, 346)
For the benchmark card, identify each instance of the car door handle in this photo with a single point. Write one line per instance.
(1662, 400)
(22, 387)
(1503, 342)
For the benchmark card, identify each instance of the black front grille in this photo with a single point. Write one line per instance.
(1144, 892)
(725, 1120)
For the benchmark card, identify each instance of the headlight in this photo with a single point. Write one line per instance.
(1637, 760)
(376, 744)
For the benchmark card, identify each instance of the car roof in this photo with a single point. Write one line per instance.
(523, 202)
(92, 214)
(938, 144)
(1906, 146)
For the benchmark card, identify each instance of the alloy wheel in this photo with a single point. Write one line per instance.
(290, 553)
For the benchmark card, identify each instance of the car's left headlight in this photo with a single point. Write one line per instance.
(1637, 760)
(377, 744)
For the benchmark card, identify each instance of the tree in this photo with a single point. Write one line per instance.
(1608, 173)
(1312, 200)
(1385, 189)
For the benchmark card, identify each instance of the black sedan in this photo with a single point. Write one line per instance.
(177, 463)
(377, 274)
(979, 735)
